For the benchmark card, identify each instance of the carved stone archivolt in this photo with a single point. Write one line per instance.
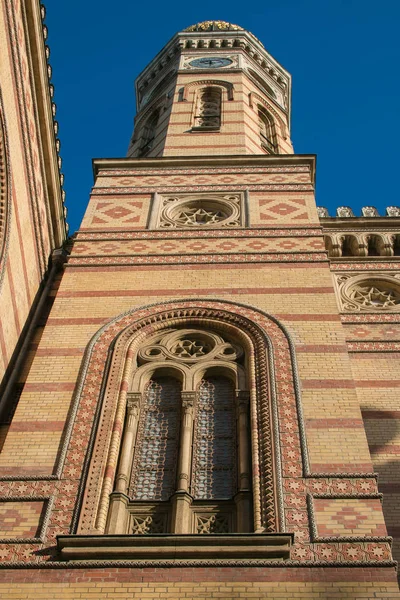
(230, 337)
(377, 293)
(198, 211)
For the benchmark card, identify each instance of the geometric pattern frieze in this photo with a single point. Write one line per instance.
(294, 257)
(380, 333)
(211, 179)
(197, 246)
(189, 187)
(274, 232)
(202, 171)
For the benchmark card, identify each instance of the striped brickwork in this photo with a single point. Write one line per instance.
(199, 584)
(265, 278)
(239, 132)
(277, 266)
(33, 225)
(373, 343)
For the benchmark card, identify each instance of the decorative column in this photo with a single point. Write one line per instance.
(117, 522)
(243, 496)
(182, 500)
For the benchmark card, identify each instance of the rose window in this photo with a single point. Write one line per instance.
(199, 216)
(381, 292)
(214, 210)
(374, 296)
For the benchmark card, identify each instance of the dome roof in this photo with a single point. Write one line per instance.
(214, 26)
(218, 26)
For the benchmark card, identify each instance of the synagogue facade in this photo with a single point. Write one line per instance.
(200, 394)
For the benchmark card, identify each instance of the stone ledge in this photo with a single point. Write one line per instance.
(274, 546)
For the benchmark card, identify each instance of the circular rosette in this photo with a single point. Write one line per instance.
(205, 212)
(377, 293)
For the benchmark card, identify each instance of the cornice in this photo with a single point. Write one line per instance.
(360, 223)
(222, 161)
(43, 89)
(246, 43)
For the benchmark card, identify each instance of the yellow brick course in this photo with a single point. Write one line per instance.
(345, 590)
(335, 445)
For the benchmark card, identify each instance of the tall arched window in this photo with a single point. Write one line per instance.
(208, 109)
(154, 463)
(214, 463)
(149, 133)
(184, 464)
(267, 132)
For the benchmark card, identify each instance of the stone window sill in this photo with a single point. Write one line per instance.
(272, 546)
(205, 129)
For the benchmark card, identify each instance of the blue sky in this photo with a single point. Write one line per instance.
(343, 55)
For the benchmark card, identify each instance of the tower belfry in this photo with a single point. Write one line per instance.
(183, 415)
(213, 89)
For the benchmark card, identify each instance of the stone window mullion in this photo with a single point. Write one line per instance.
(243, 496)
(118, 514)
(181, 513)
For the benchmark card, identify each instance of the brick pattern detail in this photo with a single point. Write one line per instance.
(147, 178)
(199, 246)
(20, 519)
(276, 209)
(349, 517)
(128, 213)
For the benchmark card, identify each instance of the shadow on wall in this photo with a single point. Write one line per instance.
(383, 435)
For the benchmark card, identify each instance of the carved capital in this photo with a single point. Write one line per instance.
(242, 401)
(188, 399)
(133, 402)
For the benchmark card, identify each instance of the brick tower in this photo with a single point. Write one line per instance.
(189, 422)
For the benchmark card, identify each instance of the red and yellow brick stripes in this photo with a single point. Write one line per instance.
(200, 583)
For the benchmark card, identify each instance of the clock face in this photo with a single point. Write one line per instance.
(212, 62)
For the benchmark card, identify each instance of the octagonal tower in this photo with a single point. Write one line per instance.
(212, 90)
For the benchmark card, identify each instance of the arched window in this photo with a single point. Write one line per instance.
(214, 463)
(267, 131)
(149, 133)
(208, 109)
(154, 462)
(184, 464)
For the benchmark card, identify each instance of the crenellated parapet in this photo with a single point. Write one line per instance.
(369, 235)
